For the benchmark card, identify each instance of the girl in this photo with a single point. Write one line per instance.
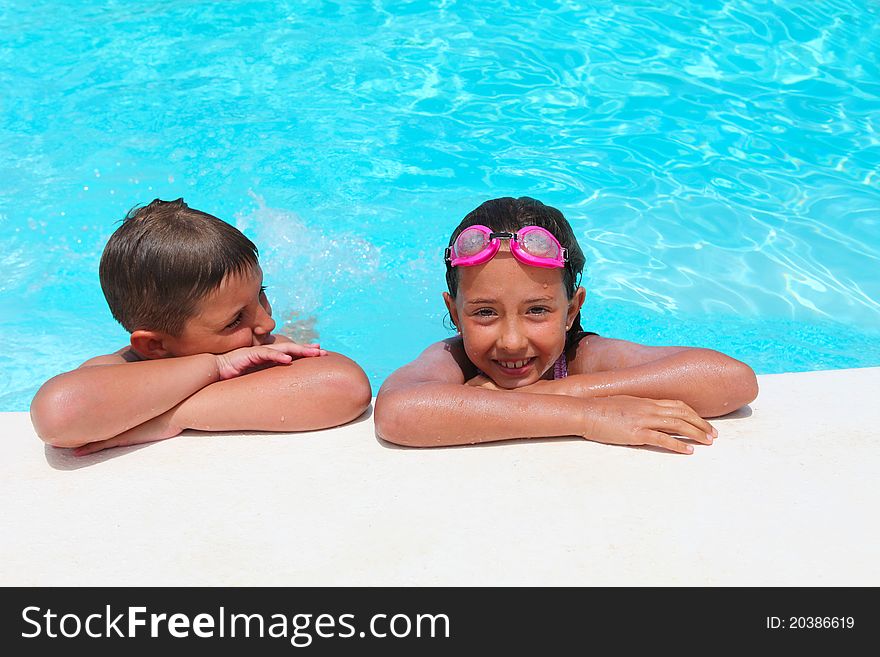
(522, 367)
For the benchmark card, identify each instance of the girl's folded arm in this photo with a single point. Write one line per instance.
(425, 404)
(710, 382)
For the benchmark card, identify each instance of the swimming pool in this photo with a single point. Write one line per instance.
(718, 161)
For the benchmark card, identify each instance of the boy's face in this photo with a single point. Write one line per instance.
(512, 318)
(236, 314)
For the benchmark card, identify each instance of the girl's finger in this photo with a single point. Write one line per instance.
(680, 410)
(687, 430)
(660, 439)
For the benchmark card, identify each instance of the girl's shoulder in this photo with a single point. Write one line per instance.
(449, 353)
(582, 352)
(445, 361)
(595, 353)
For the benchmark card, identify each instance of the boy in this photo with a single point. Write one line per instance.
(189, 289)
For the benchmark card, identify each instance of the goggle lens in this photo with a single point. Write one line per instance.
(470, 243)
(539, 244)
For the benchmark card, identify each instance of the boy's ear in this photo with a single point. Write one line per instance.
(453, 311)
(149, 344)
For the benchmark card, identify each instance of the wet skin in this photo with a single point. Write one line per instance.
(512, 318)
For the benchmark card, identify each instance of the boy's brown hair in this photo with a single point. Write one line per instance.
(162, 261)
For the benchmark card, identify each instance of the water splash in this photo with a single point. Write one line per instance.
(309, 270)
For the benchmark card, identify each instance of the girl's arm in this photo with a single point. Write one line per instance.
(426, 404)
(708, 381)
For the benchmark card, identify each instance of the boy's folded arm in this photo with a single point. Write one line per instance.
(307, 394)
(106, 396)
(98, 401)
(310, 393)
(710, 382)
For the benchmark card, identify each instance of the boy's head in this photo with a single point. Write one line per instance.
(166, 259)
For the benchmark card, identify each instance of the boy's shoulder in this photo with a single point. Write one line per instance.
(124, 355)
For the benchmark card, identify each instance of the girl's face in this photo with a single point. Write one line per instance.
(512, 318)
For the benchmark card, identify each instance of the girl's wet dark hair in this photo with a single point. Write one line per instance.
(509, 214)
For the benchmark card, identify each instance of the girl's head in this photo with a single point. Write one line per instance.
(516, 319)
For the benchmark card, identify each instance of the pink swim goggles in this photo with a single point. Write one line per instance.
(531, 245)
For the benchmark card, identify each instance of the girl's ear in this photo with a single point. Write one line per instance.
(574, 306)
(453, 311)
(149, 344)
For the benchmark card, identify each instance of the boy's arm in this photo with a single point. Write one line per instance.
(108, 396)
(307, 394)
(426, 404)
(97, 401)
(708, 381)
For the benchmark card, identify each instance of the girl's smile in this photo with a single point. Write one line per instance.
(516, 368)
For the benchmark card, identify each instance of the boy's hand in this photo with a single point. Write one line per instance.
(625, 420)
(247, 359)
(155, 429)
(298, 350)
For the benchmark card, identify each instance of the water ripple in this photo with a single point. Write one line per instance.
(720, 160)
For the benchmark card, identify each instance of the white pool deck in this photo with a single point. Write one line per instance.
(787, 496)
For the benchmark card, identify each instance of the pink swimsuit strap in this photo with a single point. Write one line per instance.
(560, 367)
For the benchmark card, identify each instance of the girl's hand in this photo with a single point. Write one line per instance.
(625, 420)
(538, 387)
(248, 359)
(483, 381)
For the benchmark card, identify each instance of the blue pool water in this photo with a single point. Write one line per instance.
(719, 161)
